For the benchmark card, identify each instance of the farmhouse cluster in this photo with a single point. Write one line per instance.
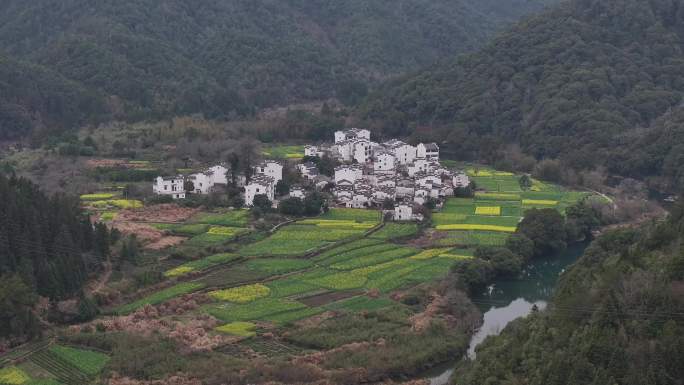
(374, 173)
(369, 175)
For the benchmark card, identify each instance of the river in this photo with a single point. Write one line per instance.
(506, 300)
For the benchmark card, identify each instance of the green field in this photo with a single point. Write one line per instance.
(284, 152)
(201, 264)
(215, 235)
(87, 361)
(234, 218)
(307, 236)
(494, 212)
(323, 264)
(160, 296)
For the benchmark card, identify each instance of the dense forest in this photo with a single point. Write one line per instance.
(48, 247)
(144, 59)
(591, 82)
(617, 316)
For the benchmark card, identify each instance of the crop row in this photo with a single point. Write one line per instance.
(87, 361)
(360, 215)
(473, 238)
(358, 253)
(463, 226)
(256, 310)
(375, 258)
(278, 265)
(393, 230)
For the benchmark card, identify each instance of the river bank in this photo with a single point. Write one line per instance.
(508, 299)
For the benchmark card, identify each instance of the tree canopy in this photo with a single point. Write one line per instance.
(145, 59)
(590, 82)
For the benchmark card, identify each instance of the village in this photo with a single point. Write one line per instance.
(369, 175)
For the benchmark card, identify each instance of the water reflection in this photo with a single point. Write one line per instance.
(506, 300)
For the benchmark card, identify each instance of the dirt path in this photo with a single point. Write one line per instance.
(103, 279)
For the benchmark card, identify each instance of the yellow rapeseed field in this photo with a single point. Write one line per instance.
(13, 376)
(540, 202)
(488, 210)
(241, 294)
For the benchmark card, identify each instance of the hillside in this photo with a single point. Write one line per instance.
(228, 58)
(617, 316)
(590, 82)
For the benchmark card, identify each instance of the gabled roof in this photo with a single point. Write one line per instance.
(431, 146)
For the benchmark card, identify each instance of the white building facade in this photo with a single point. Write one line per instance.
(173, 186)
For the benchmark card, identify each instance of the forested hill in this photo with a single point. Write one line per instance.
(591, 82)
(617, 318)
(150, 59)
(48, 247)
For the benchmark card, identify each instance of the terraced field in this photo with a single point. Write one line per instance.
(334, 262)
(494, 212)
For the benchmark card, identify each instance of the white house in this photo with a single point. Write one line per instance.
(385, 181)
(460, 179)
(297, 192)
(384, 193)
(424, 179)
(352, 133)
(259, 185)
(405, 153)
(419, 165)
(384, 162)
(271, 168)
(403, 212)
(308, 170)
(348, 172)
(405, 188)
(360, 200)
(363, 150)
(344, 150)
(201, 182)
(429, 151)
(173, 186)
(343, 193)
(313, 151)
